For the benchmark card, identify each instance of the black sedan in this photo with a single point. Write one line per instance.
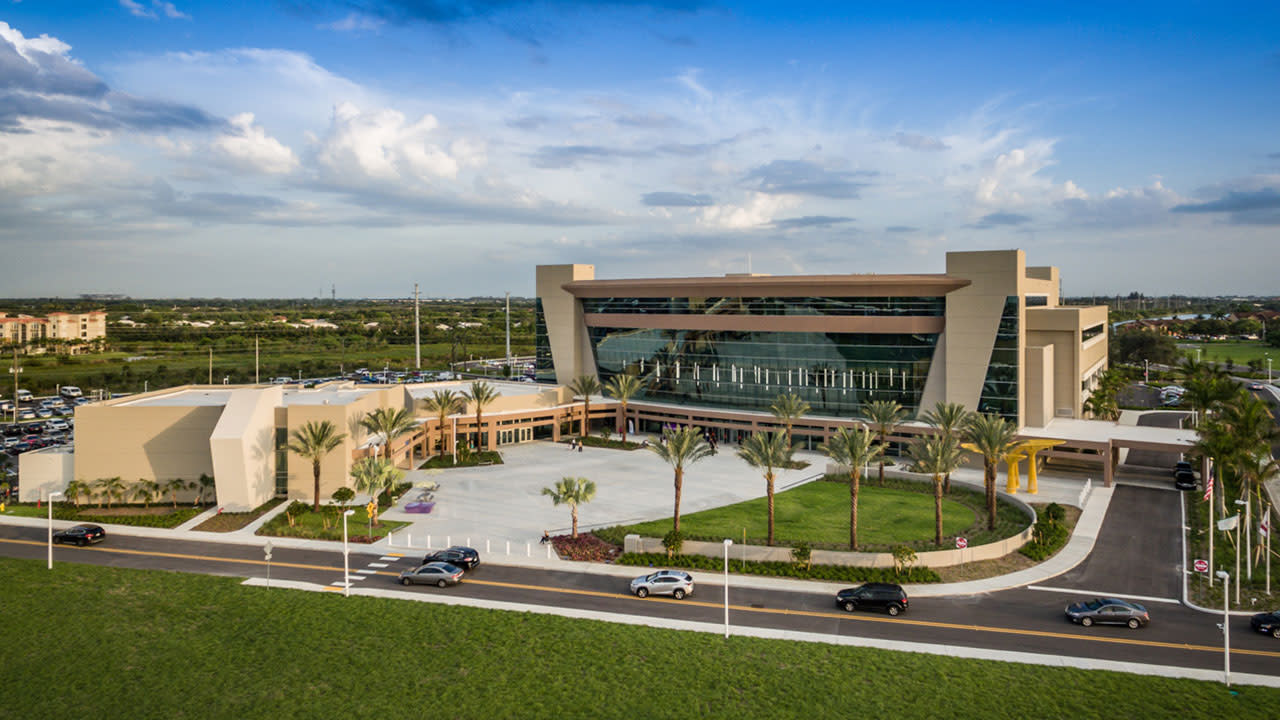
(464, 557)
(80, 535)
(1108, 611)
(1268, 623)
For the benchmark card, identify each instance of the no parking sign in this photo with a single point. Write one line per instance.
(1201, 566)
(961, 543)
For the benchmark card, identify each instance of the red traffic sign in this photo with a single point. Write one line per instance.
(1201, 565)
(961, 543)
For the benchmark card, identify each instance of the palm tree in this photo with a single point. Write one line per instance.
(584, 386)
(374, 476)
(571, 491)
(389, 424)
(173, 487)
(77, 489)
(444, 403)
(992, 437)
(948, 419)
(1208, 386)
(314, 441)
(680, 448)
(937, 455)
(482, 394)
(767, 451)
(854, 448)
(109, 488)
(623, 387)
(885, 415)
(787, 408)
(145, 490)
(207, 484)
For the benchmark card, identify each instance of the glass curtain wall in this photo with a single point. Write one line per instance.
(1000, 388)
(543, 369)
(864, 306)
(836, 373)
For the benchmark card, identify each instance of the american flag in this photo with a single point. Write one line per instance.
(1208, 487)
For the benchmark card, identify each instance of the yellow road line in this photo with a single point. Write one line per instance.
(696, 603)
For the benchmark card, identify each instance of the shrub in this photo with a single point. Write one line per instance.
(587, 548)
(673, 541)
(614, 535)
(1047, 538)
(903, 558)
(802, 554)
(1055, 513)
(835, 573)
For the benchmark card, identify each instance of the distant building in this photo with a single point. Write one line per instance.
(75, 328)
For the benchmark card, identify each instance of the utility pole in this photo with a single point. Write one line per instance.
(417, 331)
(210, 366)
(256, 379)
(508, 331)
(16, 372)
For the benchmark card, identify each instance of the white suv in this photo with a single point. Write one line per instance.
(70, 391)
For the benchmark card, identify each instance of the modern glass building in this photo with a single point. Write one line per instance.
(988, 333)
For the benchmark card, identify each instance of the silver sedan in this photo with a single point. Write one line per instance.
(436, 573)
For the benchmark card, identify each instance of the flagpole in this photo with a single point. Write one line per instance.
(1209, 497)
(1267, 519)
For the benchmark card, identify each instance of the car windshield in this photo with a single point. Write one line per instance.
(1093, 605)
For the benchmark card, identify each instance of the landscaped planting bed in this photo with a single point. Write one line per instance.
(158, 516)
(230, 522)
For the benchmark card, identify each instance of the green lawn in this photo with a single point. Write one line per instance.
(818, 512)
(147, 644)
(1238, 353)
(166, 516)
(312, 525)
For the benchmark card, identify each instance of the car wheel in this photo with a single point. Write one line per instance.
(441, 583)
(678, 594)
(1086, 621)
(82, 542)
(849, 606)
(894, 610)
(405, 581)
(642, 592)
(1133, 623)
(1275, 633)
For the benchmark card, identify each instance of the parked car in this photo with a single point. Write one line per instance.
(13, 430)
(464, 557)
(70, 391)
(27, 414)
(436, 573)
(1182, 466)
(677, 585)
(873, 596)
(80, 535)
(44, 413)
(1257, 386)
(52, 402)
(56, 425)
(82, 401)
(64, 411)
(1184, 480)
(1108, 611)
(1268, 623)
(23, 396)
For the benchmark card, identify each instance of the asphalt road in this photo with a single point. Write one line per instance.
(1138, 550)
(1022, 620)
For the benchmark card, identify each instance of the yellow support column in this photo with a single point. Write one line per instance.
(1031, 473)
(1011, 465)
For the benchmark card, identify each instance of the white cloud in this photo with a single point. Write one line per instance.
(248, 147)
(50, 157)
(760, 209)
(136, 9)
(158, 8)
(382, 145)
(354, 22)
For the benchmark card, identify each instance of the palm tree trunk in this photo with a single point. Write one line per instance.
(479, 424)
(882, 439)
(989, 479)
(573, 510)
(586, 413)
(679, 481)
(853, 510)
(937, 509)
(624, 423)
(315, 469)
(768, 478)
(946, 484)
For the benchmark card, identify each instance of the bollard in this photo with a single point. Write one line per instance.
(390, 540)
(408, 540)
(548, 551)
(528, 550)
(468, 542)
(428, 542)
(486, 546)
(448, 541)
(508, 547)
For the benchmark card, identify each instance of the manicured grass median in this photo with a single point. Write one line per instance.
(158, 515)
(818, 513)
(232, 521)
(145, 644)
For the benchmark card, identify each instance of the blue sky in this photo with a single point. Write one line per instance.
(272, 148)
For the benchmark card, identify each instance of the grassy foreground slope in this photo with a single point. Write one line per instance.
(102, 642)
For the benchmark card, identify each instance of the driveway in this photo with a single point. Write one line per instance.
(1138, 549)
(505, 503)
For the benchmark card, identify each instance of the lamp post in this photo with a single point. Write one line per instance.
(1226, 628)
(346, 565)
(1238, 502)
(52, 496)
(1268, 369)
(1146, 371)
(727, 544)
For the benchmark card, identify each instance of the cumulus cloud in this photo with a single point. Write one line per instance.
(676, 199)
(759, 210)
(800, 177)
(1011, 177)
(1119, 207)
(1247, 201)
(383, 145)
(247, 147)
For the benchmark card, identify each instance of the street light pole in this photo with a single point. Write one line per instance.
(727, 544)
(52, 496)
(1226, 629)
(346, 563)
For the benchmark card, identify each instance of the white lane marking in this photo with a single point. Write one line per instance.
(1095, 593)
(359, 577)
(366, 572)
(389, 559)
(339, 583)
(377, 564)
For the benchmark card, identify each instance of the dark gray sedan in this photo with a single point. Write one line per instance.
(1108, 611)
(435, 573)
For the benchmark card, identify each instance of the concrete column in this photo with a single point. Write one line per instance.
(1108, 465)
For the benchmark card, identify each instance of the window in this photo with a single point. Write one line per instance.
(1092, 332)
(902, 306)
(1000, 388)
(1037, 300)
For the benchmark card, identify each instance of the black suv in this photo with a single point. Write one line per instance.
(873, 596)
(463, 557)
